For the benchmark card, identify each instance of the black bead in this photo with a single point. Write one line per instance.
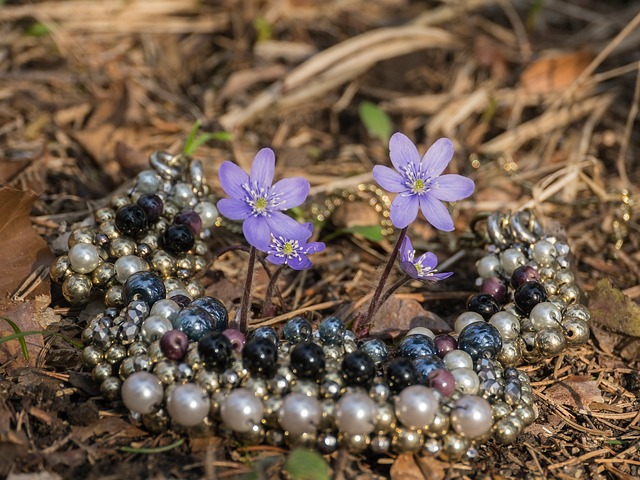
(480, 340)
(146, 285)
(425, 365)
(484, 304)
(401, 374)
(416, 346)
(307, 361)
(358, 369)
(215, 351)
(131, 220)
(266, 332)
(260, 357)
(179, 239)
(216, 309)
(152, 205)
(528, 295)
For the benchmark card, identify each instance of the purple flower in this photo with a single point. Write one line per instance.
(419, 183)
(293, 251)
(422, 268)
(254, 200)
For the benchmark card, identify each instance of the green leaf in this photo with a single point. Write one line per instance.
(373, 233)
(37, 29)
(263, 29)
(23, 343)
(376, 121)
(306, 465)
(195, 141)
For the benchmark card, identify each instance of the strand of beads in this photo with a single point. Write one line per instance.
(159, 225)
(527, 292)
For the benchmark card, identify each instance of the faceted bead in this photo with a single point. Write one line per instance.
(307, 361)
(484, 304)
(215, 350)
(131, 220)
(266, 332)
(174, 344)
(401, 374)
(178, 239)
(331, 330)
(128, 332)
(416, 346)
(297, 330)
(522, 275)
(496, 288)
(426, 365)
(189, 218)
(260, 357)
(528, 295)
(152, 205)
(480, 340)
(358, 369)
(376, 349)
(147, 285)
(445, 344)
(216, 309)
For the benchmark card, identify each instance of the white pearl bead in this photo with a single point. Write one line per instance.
(471, 417)
(511, 259)
(545, 315)
(141, 392)
(183, 195)
(466, 318)
(179, 291)
(467, 380)
(84, 257)
(299, 414)
(208, 214)
(128, 265)
(544, 252)
(416, 407)
(154, 327)
(241, 410)
(147, 182)
(355, 413)
(507, 324)
(166, 308)
(489, 266)
(457, 359)
(188, 404)
(421, 331)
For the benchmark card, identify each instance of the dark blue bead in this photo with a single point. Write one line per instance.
(401, 374)
(426, 365)
(307, 361)
(152, 205)
(528, 295)
(260, 357)
(331, 330)
(416, 346)
(178, 239)
(131, 220)
(358, 369)
(297, 330)
(194, 322)
(147, 286)
(480, 340)
(216, 309)
(266, 332)
(484, 304)
(215, 351)
(376, 349)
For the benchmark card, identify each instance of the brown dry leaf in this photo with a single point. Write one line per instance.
(614, 310)
(397, 316)
(114, 427)
(23, 250)
(406, 468)
(355, 214)
(555, 71)
(22, 313)
(433, 469)
(575, 391)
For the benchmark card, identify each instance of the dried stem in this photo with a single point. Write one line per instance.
(268, 304)
(391, 290)
(243, 321)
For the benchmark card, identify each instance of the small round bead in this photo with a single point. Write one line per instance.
(307, 361)
(189, 218)
(260, 357)
(60, 269)
(103, 274)
(550, 342)
(147, 181)
(128, 265)
(241, 410)
(443, 381)
(355, 414)
(471, 416)
(507, 324)
(496, 288)
(454, 446)
(174, 344)
(416, 346)
(266, 332)
(544, 252)
(458, 359)
(467, 380)
(152, 205)
(416, 407)
(358, 369)
(147, 285)
(297, 330)
(480, 340)
(488, 266)
(484, 304)
(77, 288)
(406, 440)
(505, 432)
(188, 404)
(208, 214)
(511, 259)
(131, 220)
(528, 295)
(84, 257)
(141, 392)
(576, 331)
(183, 194)
(178, 239)
(465, 319)
(401, 373)
(376, 349)
(165, 308)
(216, 309)
(445, 344)
(215, 350)
(236, 338)
(524, 274)
(331, 330)
(110, 388)
(299, 414)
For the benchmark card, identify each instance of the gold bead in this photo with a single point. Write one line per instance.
(550, 342)
(152, 239)
(199, 265)
(208, 380)
(166, 372)
(546, 273)
(200, 248)
(353, 443)
(254, 436)
(77, 288)
(115, 354)
(126, 368)
(510, 354)
(454, 446)
(156, 422)
(406, 440)
(113, 296)
(500, 409)
(170, 210)
(60, 269)
(385, 419)
(91, 356)
(110, 388)
(105, 215)
(505, 432)
(109, 229)
(163, 263)
(305, 440)
(550, 287)
(155, 352)
(161, 225)
(576, 331)
(101, 371)
(103, 274)
(439, 426)
(81, 235)
(120, 200)
(526, 413)
(173, 283)
(195, 289)
(516, 421)
(137, 348)
(122, 246)
(564, 277)
(185, 261)
(570, 293)
(380, 444)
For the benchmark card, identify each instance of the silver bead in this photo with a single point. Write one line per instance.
(488, 266)
(115, 354)
(578, 310)
(564, 277)
(101, 372)
(380, 444)
(354, 443)
(544, 252)
(110, 388)
(545, 315)
(385, 419)
(278, 385)
(576, 331)
(380, 392)
(305, 387)
(454, 446)
(500, 409)
(440, 425)
(505, 432)
(91, 356)
(258, 386)
(570, 293)
(507, 324)
(550, 342)
(510, 259)
(166, 372)
(432, 446)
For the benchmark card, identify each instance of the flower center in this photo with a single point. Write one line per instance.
(418, 185)
(288, 248)
(260, 204)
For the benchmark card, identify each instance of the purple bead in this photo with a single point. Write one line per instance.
(445, 344)
(443, 381)
(181, 300)
(236, 338)
(152, 205)
(189, 218)
(496, 288)
(524, 274)
(174, 344)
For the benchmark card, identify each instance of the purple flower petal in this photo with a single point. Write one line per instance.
(440, 276)
(406, 250)
(284, 226)
(263, 167)
(300, 262)
(289, 192)
(257, 232)
(314, 247)
(403, 152)
(410, 269)
(451, 188)
(435, 212)
(308, 226)
(233, 209)
(276, 260)
(232, 178)
(428, 261)
(438, 157)
(404, 210)
(389, 179)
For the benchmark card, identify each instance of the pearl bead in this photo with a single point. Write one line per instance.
(466, 318)
(471, 416)
(458, 359)
(208, 214)
(154, 327)
(165, 308)
(128, 265)
(421, 331)
(467, 380)
(544, 252)
(416, 407)
(183, 194)
(511, 259)
(147, 181)
(545, 315)
(299, 414)
(141, 392)
(241, 410)
(84, 257)
(488, 267)
(188, 404)
(507, 324)
(355, 414)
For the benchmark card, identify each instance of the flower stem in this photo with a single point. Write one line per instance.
(391, 290)
(243, 321)
(373, 306)
(268, 304)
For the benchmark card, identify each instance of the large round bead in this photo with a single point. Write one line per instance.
(260, 357)
(484, 304)
(416, 407)
(128, 265)
(458, 359)
(358, 369)
(426, 365)
(166, 308)
(297, 330)
(131, 220)
(141, 392)
(216, 309)
(174, 344)
(545, 315)
(194, 321)
(528, 295)
(524, 274)
(147, 285)
(471, 416)
(178, 239)
(401, 373)
(465, 319)
(307, 361)
(215, 350)
(241, 410)
(152, 205)
(331, 330)
(84, 257)
(507, 324)
(266, 332)
(355, 413)
(208, 213)
(154, 327)
(480, 340)
(188, 404)
(299, 414)
(550, 342)
(376, 349)
(416, 346)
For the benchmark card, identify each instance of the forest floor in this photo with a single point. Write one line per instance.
(539, 97)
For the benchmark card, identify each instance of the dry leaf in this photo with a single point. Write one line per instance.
(575, 391)
(554, 72)
(614, 310)
(23, 314)
(405, 468)
(396, 317)
(433, 469)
